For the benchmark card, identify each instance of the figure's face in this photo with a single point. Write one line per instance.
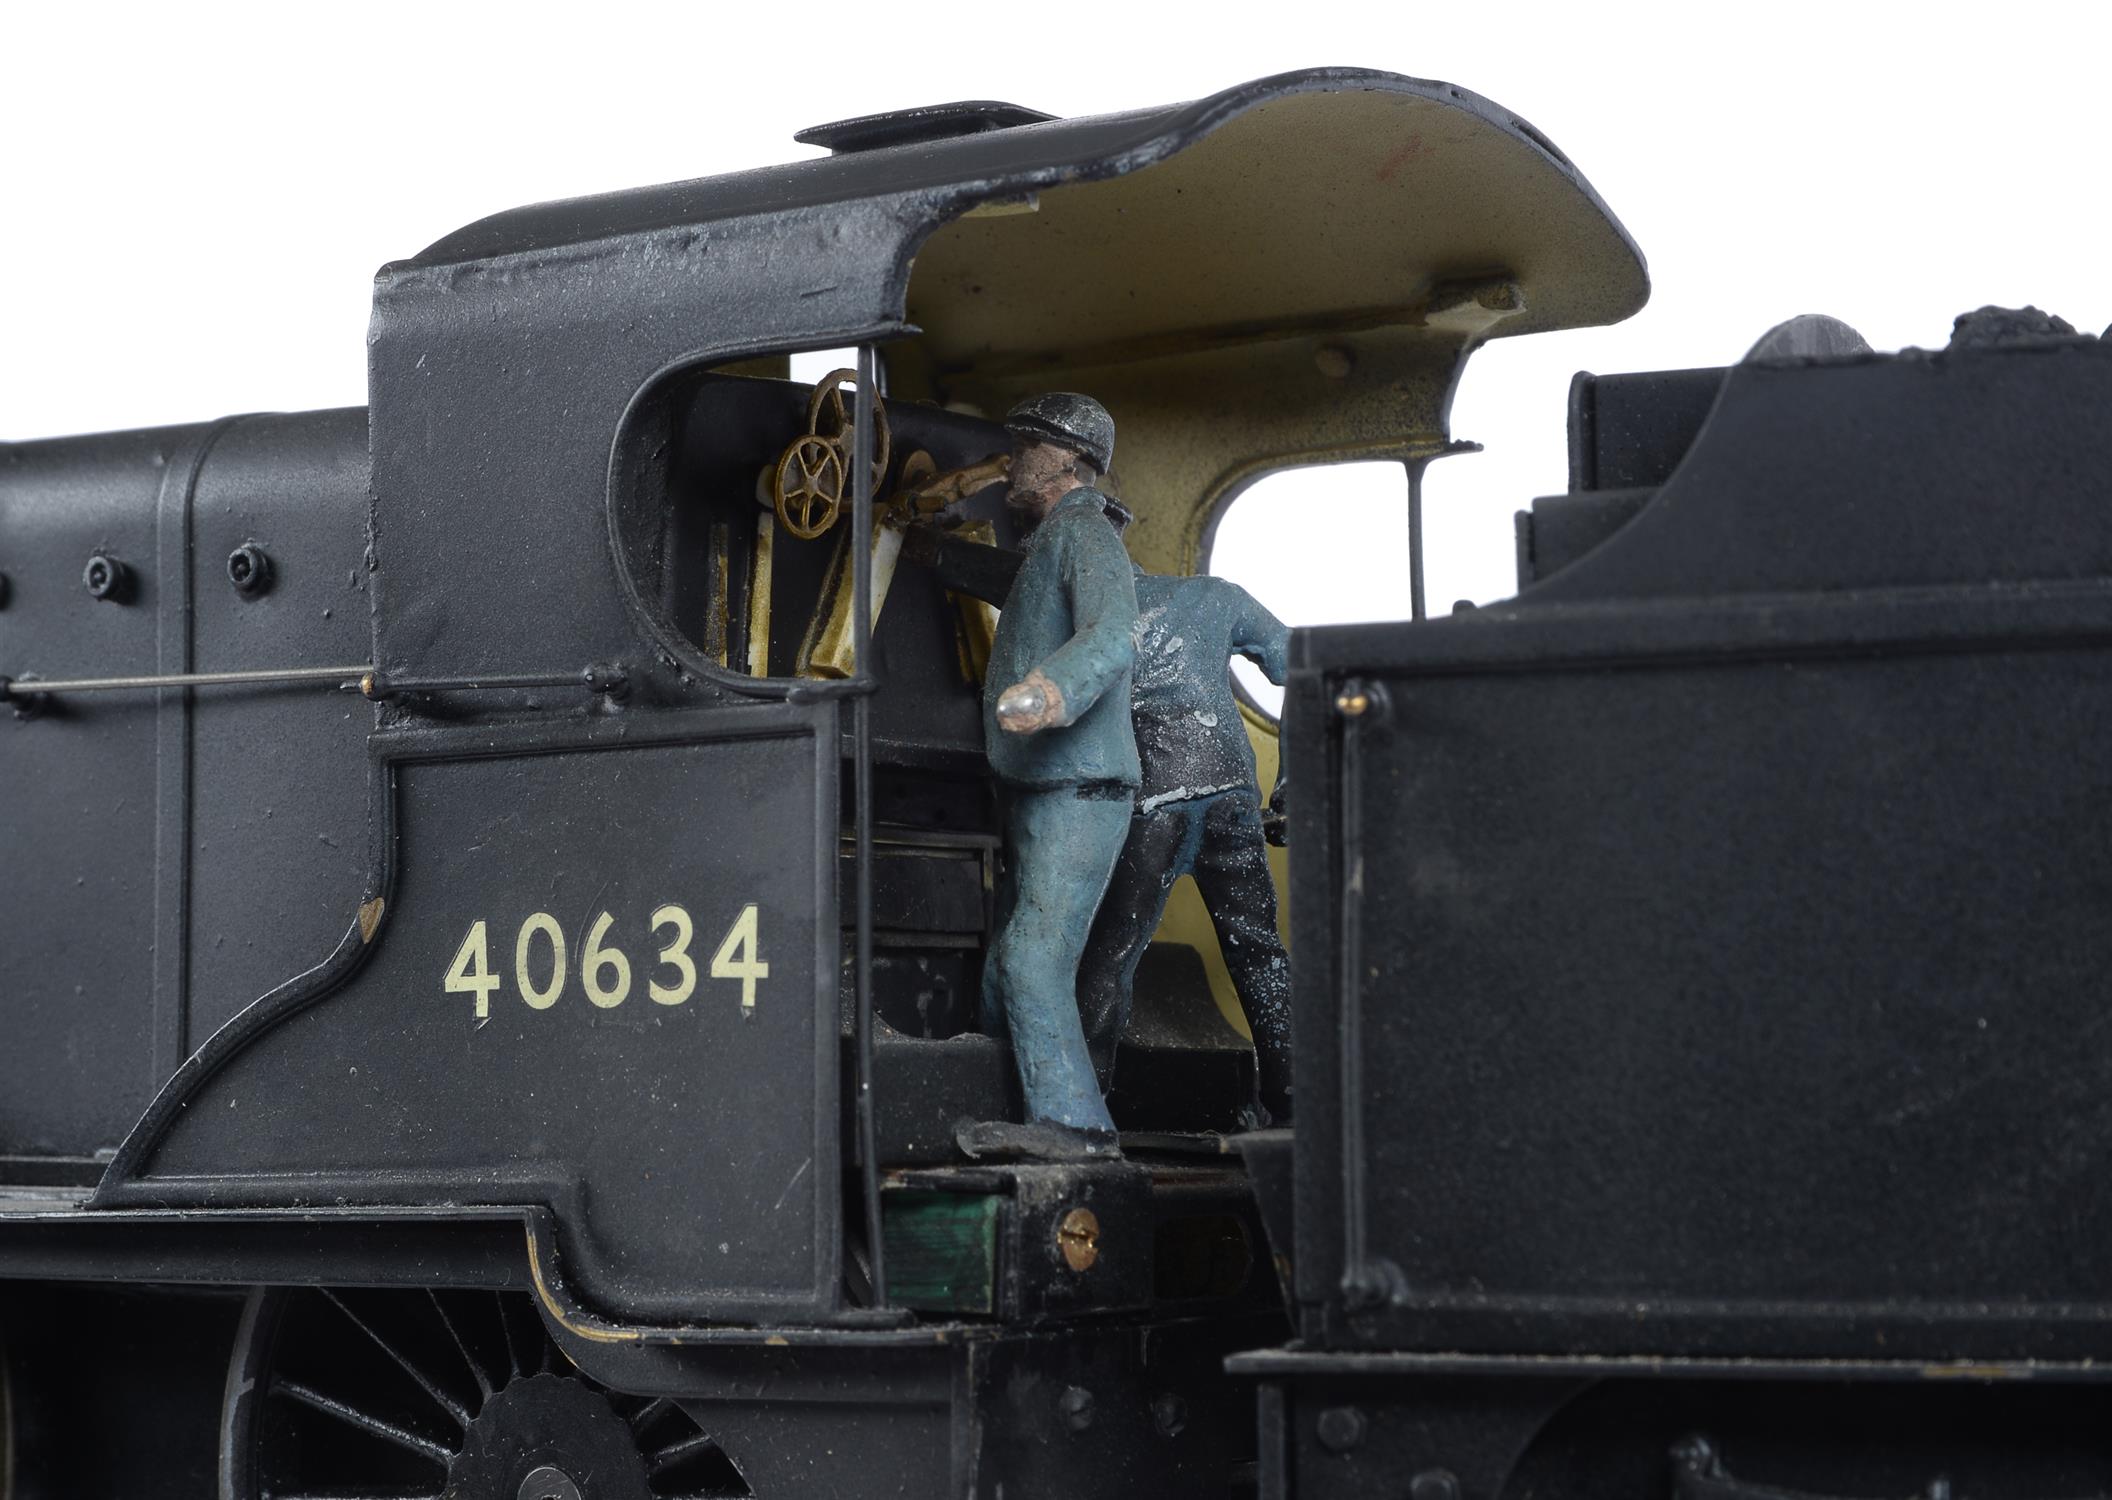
(1041, 475)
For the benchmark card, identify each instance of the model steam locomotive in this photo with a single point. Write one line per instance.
(495, 911)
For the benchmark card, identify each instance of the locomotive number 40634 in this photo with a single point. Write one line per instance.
(604, 969)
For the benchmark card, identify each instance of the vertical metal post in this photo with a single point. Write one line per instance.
(861, 544)
(1349, 966)
(1367, 1281)
(1416, 606)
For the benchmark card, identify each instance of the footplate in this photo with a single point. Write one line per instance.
(1020, 1243)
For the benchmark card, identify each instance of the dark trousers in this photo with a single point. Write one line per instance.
(1218, 840)
(1061, 844)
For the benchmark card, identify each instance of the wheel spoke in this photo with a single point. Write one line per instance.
(645, 1416)
(661, 1460)
(366, 1422)
(513, 1353)
(354, 1447)
(441, 1398)
(476, 1366)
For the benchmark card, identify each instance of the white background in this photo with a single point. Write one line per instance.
(192, 203)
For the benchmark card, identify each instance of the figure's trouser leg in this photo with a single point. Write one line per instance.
(1063, 848)
(1159, 850)
(1232, 871)
(991, 1003)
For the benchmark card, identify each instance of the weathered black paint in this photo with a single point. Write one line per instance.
(1718, 924)
(1698, 957)
(644, 1124)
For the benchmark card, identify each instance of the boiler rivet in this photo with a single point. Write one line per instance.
(249, 570)
(1341, 1428)
(107, 579)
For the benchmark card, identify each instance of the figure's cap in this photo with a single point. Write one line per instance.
(1068, 420)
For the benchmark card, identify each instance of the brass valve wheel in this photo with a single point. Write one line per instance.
(829, 416)
(806, 486)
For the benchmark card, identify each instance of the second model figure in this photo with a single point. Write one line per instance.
(1198, 812)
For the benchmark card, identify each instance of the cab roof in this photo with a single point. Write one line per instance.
(1291, 271)
(1330, 194)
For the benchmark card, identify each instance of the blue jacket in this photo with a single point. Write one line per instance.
(1188, 727)
(1071, 613)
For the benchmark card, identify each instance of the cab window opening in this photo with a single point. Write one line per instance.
(1322, 544)
(734, 514)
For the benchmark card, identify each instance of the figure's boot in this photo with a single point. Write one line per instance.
(1037, 1140)
(1274, 1066)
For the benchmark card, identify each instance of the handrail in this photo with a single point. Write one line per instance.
(860, 543)
(32, 687)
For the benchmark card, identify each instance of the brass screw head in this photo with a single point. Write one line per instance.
(1078, 1237)
(1352, 702)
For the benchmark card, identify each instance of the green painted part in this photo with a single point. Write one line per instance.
(941, 1250)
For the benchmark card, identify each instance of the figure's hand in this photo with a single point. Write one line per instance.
(1275, 826)
(1034, 704)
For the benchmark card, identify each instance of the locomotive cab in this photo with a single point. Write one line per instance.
(1301, 285)
(616, 771)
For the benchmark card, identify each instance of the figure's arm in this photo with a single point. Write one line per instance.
(1266, 641)
(1103, 596)
(967, 567)
(1262, 638)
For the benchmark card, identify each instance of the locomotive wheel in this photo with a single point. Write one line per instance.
(392, 1395)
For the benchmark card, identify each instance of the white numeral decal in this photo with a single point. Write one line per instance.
(736, 956)
(596, 958)
(676, 953)
(471, 970)
(604, 968)
(546, 924)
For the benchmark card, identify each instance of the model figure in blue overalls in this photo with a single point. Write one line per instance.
(1056, 727)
